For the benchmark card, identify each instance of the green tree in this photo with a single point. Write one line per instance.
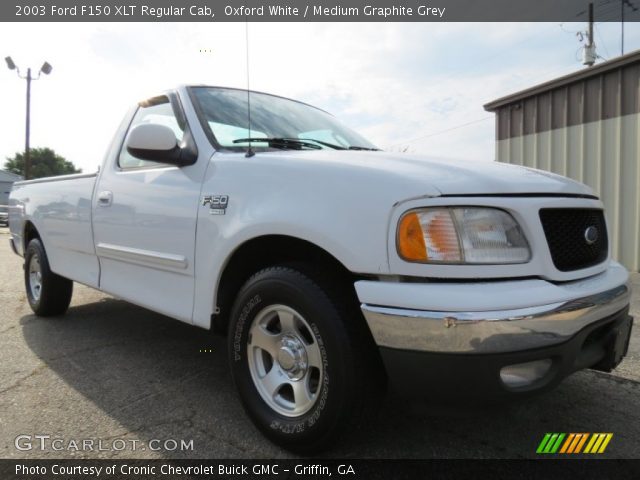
(44, 163)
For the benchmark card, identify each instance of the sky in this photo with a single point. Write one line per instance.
(415, 87)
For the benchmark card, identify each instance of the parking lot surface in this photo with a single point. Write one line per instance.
(135, 384)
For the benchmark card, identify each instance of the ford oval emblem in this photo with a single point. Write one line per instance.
(591, 235)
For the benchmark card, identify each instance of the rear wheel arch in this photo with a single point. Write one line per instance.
(29, 232)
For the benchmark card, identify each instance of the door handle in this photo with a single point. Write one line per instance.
(105, 198)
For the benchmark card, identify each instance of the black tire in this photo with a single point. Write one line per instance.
(55, 291)
(351, 374)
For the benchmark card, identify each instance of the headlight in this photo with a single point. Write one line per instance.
(461, 235)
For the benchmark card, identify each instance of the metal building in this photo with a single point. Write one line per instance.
(585, 126)
(6, 182)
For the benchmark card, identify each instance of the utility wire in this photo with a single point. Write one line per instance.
(604, 45)
(442, 131)
(611, 8)
(613, 16)
(463, 125)
(484, 61)
(473, 122)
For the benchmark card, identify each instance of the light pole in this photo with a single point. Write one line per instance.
(46, 69)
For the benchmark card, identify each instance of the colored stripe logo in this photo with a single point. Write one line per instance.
(574, 443)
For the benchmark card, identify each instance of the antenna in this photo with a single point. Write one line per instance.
(250, 153)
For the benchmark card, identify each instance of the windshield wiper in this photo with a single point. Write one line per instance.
(284, 142)
(278, 142)
(354, 147)
(326, 144)
(339, 147)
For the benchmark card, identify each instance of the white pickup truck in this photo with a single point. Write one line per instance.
(331, 266)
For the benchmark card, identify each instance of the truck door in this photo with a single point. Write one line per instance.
(144, 221)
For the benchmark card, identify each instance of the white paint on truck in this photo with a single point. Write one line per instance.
(160, 235)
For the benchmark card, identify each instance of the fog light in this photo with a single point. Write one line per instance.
(524, 374)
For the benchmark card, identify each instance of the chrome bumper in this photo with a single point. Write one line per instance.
(491, 331)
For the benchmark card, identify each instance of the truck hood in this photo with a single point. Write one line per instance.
(420, 176)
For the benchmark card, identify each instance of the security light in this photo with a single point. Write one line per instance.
(46, 68)
(10, 64)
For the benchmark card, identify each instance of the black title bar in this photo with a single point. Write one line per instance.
(298, 469)
(312, 11)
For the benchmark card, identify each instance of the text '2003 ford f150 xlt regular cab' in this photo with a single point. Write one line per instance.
(330, 265)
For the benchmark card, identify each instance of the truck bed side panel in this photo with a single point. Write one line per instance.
(60, 209)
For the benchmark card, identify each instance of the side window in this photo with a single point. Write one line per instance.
(157, 111)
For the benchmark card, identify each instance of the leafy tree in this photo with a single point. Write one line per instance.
(44, 163)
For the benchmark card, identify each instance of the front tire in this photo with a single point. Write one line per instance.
(297, 358)
(48, 294)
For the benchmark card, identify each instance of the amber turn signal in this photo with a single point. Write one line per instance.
(411, 244)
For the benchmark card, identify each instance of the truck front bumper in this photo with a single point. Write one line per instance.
(497, 337)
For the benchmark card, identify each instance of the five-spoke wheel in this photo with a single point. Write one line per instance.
(35, 277)
(285, 360)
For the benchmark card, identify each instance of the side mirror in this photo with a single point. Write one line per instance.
(154, 142)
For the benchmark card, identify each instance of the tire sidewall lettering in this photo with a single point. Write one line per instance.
(240, 326)
(322, 401)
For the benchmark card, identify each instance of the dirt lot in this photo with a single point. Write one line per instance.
(114, 373)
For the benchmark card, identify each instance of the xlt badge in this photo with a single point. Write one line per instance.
(217, 203)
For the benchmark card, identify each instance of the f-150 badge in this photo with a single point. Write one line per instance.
(217, 203)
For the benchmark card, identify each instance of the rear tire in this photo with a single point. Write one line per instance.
(299, 360)
(48, 294)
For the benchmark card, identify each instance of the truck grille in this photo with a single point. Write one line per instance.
(571, 246)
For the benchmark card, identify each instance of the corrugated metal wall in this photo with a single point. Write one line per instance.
(5, 189)
(588, 130)
(6, 182)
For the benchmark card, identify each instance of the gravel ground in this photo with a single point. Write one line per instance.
(113, 372)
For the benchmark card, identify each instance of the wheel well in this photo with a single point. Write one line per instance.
(269, 250)
(30, 232)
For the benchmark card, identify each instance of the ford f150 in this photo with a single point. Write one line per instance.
(332, 267)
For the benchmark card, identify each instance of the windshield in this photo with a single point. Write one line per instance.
(286, 124)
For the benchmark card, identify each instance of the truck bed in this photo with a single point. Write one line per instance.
(63, 207)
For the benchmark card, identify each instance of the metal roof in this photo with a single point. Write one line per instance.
(598, 69)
